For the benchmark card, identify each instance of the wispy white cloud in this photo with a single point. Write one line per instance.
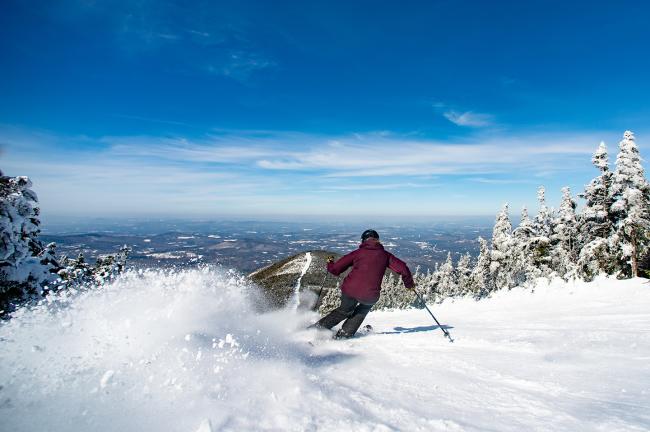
(200, 33)
(371, 155)
(469, 118)
(465, 118)
(79, 175)
(168, 36)
(359, 155)
(216, 40)
(354, 155)
(242, 170)
(369, 187)
(498, 181)
(181, 149)
(152, 120)
(240, 65)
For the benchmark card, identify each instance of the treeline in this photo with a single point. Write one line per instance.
(609, 235)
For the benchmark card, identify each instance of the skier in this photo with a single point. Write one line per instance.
(361, 287)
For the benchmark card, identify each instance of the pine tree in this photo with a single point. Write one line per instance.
(563, 237)
(598, 196)
(330, 301)
(426, 282)
(595, 225)
(464, 274)
(482, 283)
(502, 253)
(631, 197)
(394, 295)
(594, 258)
(108, 267)
(49, 260)
(26, 266)
(540, 245)
(502, 231)
(523, 266)
(447, 282)
(526, 228)
(544, 216)
(76, 271)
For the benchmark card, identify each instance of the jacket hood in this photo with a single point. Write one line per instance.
(371, 243)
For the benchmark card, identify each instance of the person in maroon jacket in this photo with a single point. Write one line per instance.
(362, 286)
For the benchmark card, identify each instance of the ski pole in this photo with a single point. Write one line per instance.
(444, 330)
(322, 284)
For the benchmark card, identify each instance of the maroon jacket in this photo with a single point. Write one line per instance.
(368, 263)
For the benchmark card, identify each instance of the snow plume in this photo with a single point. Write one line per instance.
(153, 350)
(185, 351)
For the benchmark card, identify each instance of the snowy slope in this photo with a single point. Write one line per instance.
(183, 351)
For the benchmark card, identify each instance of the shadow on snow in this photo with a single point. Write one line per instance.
(398, 330)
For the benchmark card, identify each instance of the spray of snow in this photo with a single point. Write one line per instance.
(154, 350)
(296, 290)
(185, 351)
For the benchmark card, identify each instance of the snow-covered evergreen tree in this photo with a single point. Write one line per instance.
(596, 220)
(426, 283)
(540, 245)
(447, 282)
(26, 266)
(526, 228)
(464, 274)
(394, 295)
(565, 228)
(544, 217)
(108, 267)
(523, 266)
(390, 294)
(564, 236)
(630, 193)
(502, 250)
(330, 301)
(594, 258)
(75, 271)
(482, 283)
(502, 231)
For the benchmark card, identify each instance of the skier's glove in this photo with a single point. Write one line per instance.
(330, 259)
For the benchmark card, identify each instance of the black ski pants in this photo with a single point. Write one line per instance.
(351, 310)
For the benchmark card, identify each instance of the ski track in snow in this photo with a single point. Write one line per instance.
(184, 351)
(296, 291)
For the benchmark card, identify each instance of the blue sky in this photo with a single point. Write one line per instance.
(334, 109)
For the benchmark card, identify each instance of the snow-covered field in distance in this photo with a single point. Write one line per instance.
(183, 351)
(250, 245)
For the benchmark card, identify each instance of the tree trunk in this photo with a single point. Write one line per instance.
(635, 264)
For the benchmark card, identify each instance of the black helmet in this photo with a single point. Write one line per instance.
(369, 234)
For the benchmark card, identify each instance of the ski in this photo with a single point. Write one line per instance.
(362, 332)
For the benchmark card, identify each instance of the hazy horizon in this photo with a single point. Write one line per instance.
(77, 224)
